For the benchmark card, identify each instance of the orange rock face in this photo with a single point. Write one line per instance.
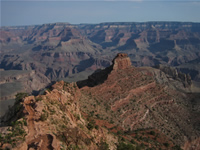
(121, 61)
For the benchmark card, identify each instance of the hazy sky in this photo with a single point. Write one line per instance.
(32, 12)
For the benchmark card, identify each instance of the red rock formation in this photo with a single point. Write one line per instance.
(133, 98)
(121, 61)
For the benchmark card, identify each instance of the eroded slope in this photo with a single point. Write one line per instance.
(133, 98)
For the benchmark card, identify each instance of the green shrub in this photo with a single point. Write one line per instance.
(18, 107)
(20, 96)
(142, 145)
(17, 133)
(119, 132)
(111, 121)
(44, 116)
(25, 123)
(87, 141)
(77, 116)
(132, 141)
(122, 139)
(48, 89)
(124, 146)
(62, 137)
(166, 144)
(152, 133)
(97, 127)
(90, 126)
(91, 113)
(98, 116)
(103, 146)
(176, 147)
(138, 147)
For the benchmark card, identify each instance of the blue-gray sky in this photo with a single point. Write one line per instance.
(32, 12)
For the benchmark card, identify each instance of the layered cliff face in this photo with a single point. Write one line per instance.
(173, 73)
(59, 50)
(16, 81)
(55, 50)
(165, 40)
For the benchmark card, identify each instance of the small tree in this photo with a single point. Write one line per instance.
(124, 146)
(20, 96)
(103, 146)
(166, 144)
(90, 126)
(152, 132)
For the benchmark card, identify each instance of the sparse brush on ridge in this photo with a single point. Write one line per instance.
(120, 107)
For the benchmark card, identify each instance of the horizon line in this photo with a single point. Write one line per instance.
(97, 23)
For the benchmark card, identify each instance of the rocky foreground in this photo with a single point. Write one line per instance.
(120, 107)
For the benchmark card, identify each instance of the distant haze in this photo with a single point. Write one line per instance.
(39, 12)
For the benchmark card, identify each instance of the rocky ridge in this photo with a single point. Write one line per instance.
(126, 108)
(184, 78)
(134, 98)
(53, 121)
(16, 81)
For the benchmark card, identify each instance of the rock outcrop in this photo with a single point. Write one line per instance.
(173, 73)
(121, 61)
(53, 121)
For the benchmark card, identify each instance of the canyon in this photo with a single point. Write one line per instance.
(60, 50)
(62, 89)
(117, 107)
(63, 51)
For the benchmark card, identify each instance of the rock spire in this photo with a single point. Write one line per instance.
(121, 61)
